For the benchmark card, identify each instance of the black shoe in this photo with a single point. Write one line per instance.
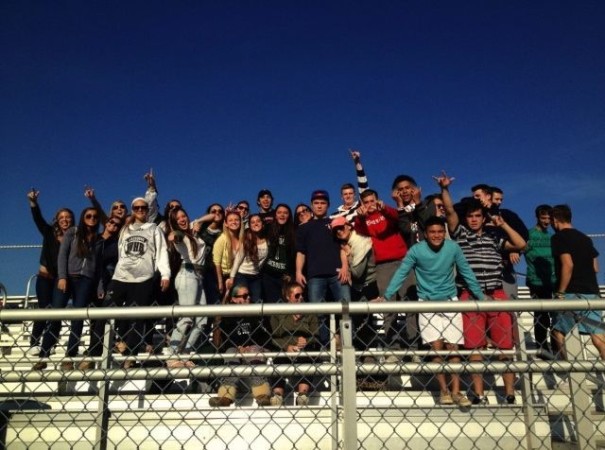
(480, 400)
(510, 399)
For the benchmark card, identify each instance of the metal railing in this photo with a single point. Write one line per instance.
(339, 364)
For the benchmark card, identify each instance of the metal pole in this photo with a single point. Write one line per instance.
(579, 398)
(529, 411)
(102, 420)
(349, 385)
(333, 385)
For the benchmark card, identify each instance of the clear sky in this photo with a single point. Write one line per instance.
(225, 98)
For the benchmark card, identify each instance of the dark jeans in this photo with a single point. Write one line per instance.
(317, 291)
(542, 319)
(123, 294)
(45, 290)
(82, 290)
(272, 288)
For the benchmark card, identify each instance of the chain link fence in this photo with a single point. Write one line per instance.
(348, 392)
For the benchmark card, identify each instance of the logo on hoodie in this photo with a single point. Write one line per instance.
(136, 246)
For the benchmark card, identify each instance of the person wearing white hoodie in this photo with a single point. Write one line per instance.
(142, 251)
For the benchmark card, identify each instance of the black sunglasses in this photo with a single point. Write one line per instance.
(244, 296)
(140, 208)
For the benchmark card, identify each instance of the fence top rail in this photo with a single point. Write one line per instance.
(355, 308)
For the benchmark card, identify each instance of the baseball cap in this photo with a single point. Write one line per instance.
(339, 221)
(320, 194)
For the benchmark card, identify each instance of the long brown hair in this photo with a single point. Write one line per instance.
(174, 226)
(84, 244)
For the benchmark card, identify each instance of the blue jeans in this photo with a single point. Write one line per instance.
(317, 289)
(82, 290)
(188, 331)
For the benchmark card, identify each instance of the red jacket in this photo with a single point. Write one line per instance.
(382, 226)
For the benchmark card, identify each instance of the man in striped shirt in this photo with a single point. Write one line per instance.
(349, 206)
(483, 247)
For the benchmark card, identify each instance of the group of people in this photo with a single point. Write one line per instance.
(426, 249)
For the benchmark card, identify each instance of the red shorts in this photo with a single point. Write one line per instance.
(477, 325)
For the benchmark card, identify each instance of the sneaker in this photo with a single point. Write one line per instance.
(86, 365)
(34, 351)
(276, 400)
(480, 400)
(263, 400)
(40, 365)
(217, 402)
(461, 400)
(510, 399)
(67, 365)
(446, 398)
(302, 400)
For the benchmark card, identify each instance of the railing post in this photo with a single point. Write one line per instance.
(333, 384)
(578, 397)
(349, 384)
(529, 410)
(102, 420)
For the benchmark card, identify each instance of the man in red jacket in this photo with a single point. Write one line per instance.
(381, 223)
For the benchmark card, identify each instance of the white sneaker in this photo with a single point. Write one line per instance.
(277, 400)
(302, 400)
(34, 351)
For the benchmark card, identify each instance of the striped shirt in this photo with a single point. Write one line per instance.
(483, 253)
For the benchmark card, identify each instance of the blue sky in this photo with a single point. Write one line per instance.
(225, 98)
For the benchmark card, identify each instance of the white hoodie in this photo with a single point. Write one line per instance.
(142, 251)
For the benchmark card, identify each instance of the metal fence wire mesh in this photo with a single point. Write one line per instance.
(255, 380)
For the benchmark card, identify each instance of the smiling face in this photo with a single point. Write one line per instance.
(182, 220)
(435, 235)
(256, 223)
(233, 222)
(265, 201)
(342, 233)
(282, 215)
(118, 209)
(348, 197)
(65, 220)
(405, 190)
(303, 214)
(139, 211)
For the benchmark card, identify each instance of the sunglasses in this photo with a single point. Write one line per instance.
(91, 216)
(298, 295)
(119, 206)
(300, 212)
(244, 296)
(140, 208)
(216, 211)
(243, 208)
(174, 205)
(111, 222)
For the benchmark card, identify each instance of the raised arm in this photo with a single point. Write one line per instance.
(451, 216)
(362, 180)
(151, 196)
(41, 224)
(89, 193)
(515, 242)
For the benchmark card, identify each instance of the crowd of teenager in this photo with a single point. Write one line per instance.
(427, 248)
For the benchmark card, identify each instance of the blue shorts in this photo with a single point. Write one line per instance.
(588, 321)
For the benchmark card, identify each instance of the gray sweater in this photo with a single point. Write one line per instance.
(70, 263)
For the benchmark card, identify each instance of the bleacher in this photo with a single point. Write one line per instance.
(404, 415)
